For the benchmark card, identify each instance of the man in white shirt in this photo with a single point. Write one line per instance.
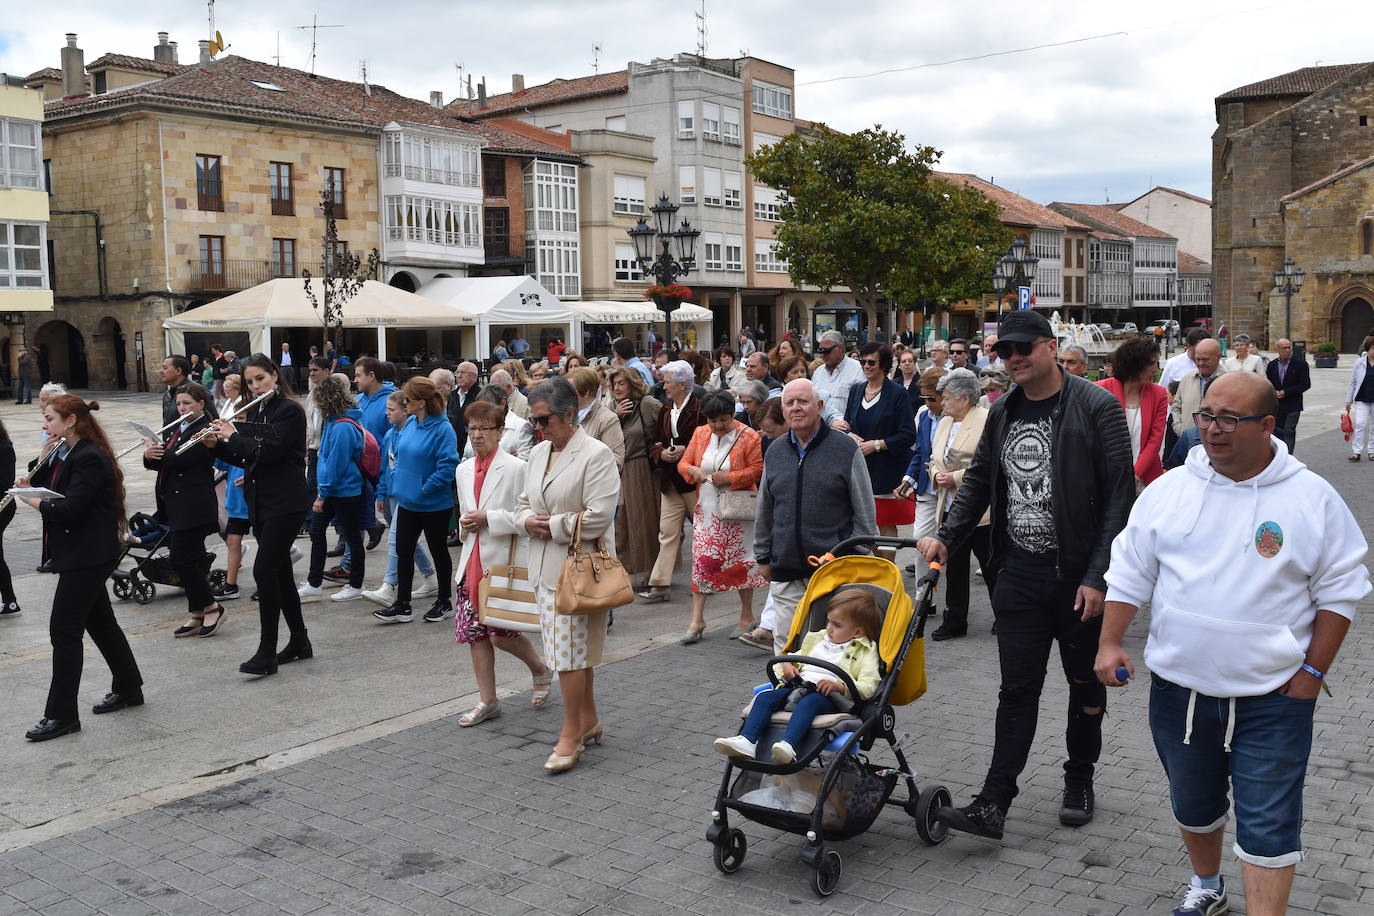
(1180, 365)
(837, 373)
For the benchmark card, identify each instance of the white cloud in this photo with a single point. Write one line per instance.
(1119, 113)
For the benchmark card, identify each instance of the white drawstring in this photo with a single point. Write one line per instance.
(1230, 721)
(1188, 717)
(1230, 725)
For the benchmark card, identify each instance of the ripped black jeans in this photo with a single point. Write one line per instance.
(1033, 610)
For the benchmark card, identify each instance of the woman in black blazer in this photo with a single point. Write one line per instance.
(81, 534)
(882, 423)
(187, 503)
(9, 605)
(272, 453)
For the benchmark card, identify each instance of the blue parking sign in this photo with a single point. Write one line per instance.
(1023, 297)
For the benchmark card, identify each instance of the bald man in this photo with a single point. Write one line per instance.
(463, 394)
(1290, 377)
(1193, 386)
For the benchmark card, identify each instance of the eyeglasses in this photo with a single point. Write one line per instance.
(929, 398)
(868, 362)
(1224, 424)
(1004, 348)
(542, 420)
(484, 429)
(957, 352)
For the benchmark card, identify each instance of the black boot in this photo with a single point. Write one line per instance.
(953, 626)
(261, 664)
(374, 537)
(1078, 805)
(296, 649)
(337, 551)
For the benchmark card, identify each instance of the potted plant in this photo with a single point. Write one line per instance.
(1324, 356)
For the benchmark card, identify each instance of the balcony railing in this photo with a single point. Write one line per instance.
(459, 179)
(497, 246)
(283, 206)
(234, 275)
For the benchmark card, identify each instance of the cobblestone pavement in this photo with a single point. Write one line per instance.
(439, 819)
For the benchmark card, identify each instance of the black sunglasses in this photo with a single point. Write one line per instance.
(957, 352)
(541, 421)
(868, 362)
(1004, 348)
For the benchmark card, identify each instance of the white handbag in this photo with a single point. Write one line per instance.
(505, 596)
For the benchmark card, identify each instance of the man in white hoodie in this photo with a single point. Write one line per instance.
(1252, 566)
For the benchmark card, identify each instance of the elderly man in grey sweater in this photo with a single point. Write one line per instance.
(815, 493)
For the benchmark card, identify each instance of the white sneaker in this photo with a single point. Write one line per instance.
(384, 594)
(783, 752)
(296, 554)
(738, 746)
(429, 585)
(308, 592)
(347, 593)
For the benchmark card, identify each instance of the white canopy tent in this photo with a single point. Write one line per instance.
(507, 303)
(282, 303)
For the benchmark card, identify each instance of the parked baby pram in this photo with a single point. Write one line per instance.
(152, 566)
(831, 791)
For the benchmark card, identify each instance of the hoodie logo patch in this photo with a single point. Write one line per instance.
(1269, 539)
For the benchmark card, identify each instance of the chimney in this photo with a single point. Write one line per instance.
(206, 61)
(175, 61)
(482, 93)
(436, 99)
(73, 68)
(517, 82)
(162, 51)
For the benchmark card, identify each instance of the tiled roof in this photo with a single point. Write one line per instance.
(1191, 264)
(1111, 219)
(1016, 210)
(1297, 83)
(1333, 177)
(507, 135)
(1174, 191)
(47, 73)
(128, 62)
(550, 93)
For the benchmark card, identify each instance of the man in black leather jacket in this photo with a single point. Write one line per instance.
(1055, 467)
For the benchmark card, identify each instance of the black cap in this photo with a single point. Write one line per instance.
(1023, 325)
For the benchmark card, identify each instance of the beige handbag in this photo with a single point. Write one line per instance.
(505, 596)
(591, 580)
(735, 505)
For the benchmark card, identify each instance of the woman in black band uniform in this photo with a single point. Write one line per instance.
(187, 503)
(81, 532)
(272, 453)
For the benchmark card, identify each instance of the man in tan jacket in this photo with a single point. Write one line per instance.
(1187, 397)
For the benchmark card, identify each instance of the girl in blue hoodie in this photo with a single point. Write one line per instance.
(385, 594)
(339, 485)
(421, 483)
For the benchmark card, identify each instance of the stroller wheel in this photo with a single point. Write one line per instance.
(217, 578)
(829, 866)
(728, 852)
(144, 591)
(122, 589)
(932, 798)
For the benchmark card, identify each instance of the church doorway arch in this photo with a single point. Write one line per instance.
(64, 350)
(1357, 322)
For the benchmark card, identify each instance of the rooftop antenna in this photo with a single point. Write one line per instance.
(362, 72)
(276, 58)
(701, 30)
(314, 28)
(1106, 195)
(210, 11)
(596, 57)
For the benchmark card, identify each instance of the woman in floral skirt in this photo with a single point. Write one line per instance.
(723, 455)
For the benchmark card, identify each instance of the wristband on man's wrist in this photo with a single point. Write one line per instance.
(1319, 675)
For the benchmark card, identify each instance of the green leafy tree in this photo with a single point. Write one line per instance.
(861, 210)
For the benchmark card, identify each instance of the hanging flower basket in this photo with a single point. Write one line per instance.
(674, 291)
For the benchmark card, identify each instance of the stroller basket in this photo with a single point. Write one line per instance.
(852, 804)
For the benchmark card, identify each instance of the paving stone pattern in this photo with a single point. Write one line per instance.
(440, 819)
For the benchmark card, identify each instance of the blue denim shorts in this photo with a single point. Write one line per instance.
(1270, 741)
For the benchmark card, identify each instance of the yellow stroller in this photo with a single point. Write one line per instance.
(832, 791)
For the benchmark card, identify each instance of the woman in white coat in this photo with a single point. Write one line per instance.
(569, 474)
(488, 485)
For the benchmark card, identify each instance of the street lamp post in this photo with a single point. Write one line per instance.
(664, 267)
(1288, 279)
(1015, 269)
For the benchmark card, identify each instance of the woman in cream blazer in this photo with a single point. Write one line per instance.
(486, 525)
(951, 453)
(569, 474)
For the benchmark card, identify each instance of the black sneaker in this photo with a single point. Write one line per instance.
(253, 597)
(374, 537)
(442, 610)
(1198, 901)
(397, 613)
(337, 551)
(1078, 805)
(982, 818)
(226, 592)
(10, 609)
(337, 574)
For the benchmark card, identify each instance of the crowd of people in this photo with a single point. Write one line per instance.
(734, 467)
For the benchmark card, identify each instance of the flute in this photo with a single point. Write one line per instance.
(198, 437)
(179, 419)
(47, 462)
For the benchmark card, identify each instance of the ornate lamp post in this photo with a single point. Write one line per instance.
(664, 268)
(1288, 279)
(1015, 269)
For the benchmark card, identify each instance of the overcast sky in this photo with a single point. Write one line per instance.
(1104, 118)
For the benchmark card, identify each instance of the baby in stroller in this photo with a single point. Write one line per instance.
(146, 529)
(853, 620)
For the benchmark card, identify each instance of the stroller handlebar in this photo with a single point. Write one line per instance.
(851, 689)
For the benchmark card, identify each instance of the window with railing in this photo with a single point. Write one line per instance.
(1154, 288)
(710, 121)
(283, 258)
(554, 263)
(713, 245)
(734, 190)
(279, 179)
(627, 269)
(710, 187)
(212, 261)
(337, 191)
(730, 125)
(335, 255)
(734, 252)
(550, 196)
(494, 176)
(686, 120)
(436, 222)
(1046, 286)
(432, 159)
(628, 194)
(775, 101)
(1048, 245)
(22, 248)
(209, 190)
(1156, 253)
(20, 145)
(496, 232)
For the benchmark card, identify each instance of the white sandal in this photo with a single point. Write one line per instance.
(480, 713)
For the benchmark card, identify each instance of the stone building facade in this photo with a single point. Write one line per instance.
(1297, 132)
